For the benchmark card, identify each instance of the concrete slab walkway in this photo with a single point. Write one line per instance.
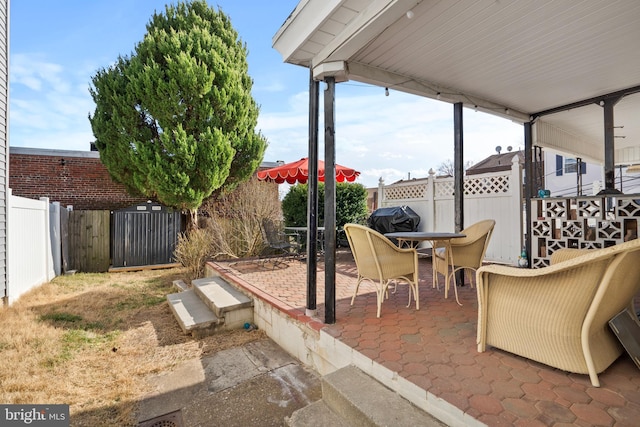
(257, 384)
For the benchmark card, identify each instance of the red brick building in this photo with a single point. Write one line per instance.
(76, 178)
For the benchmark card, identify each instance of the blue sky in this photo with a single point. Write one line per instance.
(56, 47)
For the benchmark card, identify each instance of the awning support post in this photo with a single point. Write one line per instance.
(312, 196)
(329, 201)
(528, 186)
(458, 168)
(609, 146)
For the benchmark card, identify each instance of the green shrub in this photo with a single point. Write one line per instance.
(294, 205)
(351, 204)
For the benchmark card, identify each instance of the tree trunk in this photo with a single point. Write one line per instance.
(193, 220)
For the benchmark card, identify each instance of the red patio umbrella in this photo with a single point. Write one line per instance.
(299, 172)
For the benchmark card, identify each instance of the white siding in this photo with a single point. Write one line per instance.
(4, 140)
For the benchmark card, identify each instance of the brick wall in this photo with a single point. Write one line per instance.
(75, 178)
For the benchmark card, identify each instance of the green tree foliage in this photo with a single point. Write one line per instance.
(294, 205)
(176, 121)
(351, 204)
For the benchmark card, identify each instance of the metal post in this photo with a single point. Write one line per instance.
(329, 202)
(538, 170)
(312, 196)
(528, 186)
(609, 147)
(458, 171)
(579, 176)
(458, 176)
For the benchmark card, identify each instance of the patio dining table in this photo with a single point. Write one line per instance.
(413, 238)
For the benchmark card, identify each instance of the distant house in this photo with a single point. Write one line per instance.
(568, 176)
(496, 163)
(562, 175)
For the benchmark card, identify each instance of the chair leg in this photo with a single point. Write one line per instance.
(413, 288)
(395, 288)
(434, 270)
(381, 291)
(356, 291)
(380, 296)
(470, 276)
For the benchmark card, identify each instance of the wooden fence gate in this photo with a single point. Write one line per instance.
(88, 241)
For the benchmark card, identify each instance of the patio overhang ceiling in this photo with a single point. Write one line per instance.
(513, 59)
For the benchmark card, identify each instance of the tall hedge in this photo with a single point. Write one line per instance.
(351, 204)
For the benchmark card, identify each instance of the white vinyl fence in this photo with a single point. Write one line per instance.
(30, 261)
(496, 196)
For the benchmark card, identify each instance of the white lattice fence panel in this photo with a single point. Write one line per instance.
(444, 188)
(416, 191)
(487, 185)
(486, 196)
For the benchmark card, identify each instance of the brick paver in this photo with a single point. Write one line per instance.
(434, 347)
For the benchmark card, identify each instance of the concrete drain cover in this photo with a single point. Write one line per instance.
(172, 419)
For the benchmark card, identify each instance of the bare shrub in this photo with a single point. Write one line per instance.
(234, 220)
(230, 226)
(193, 250)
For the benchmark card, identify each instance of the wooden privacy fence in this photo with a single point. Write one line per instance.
(88, 237)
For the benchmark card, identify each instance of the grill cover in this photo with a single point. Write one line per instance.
(392, 219)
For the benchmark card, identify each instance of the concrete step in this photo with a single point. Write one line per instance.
(225, 301)
(180, 285)
(361, 400)
(316, 414)
(193, 315)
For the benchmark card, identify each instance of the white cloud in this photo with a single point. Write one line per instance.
(49, 105)
(35, 73)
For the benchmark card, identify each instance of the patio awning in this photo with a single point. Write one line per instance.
(513, 59)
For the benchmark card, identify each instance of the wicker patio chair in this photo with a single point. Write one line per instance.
(468, 252)
(381, 262)
(558, 315)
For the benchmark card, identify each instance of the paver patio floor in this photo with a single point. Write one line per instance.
(435, 348)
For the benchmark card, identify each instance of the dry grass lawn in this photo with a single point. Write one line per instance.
(90, 340)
